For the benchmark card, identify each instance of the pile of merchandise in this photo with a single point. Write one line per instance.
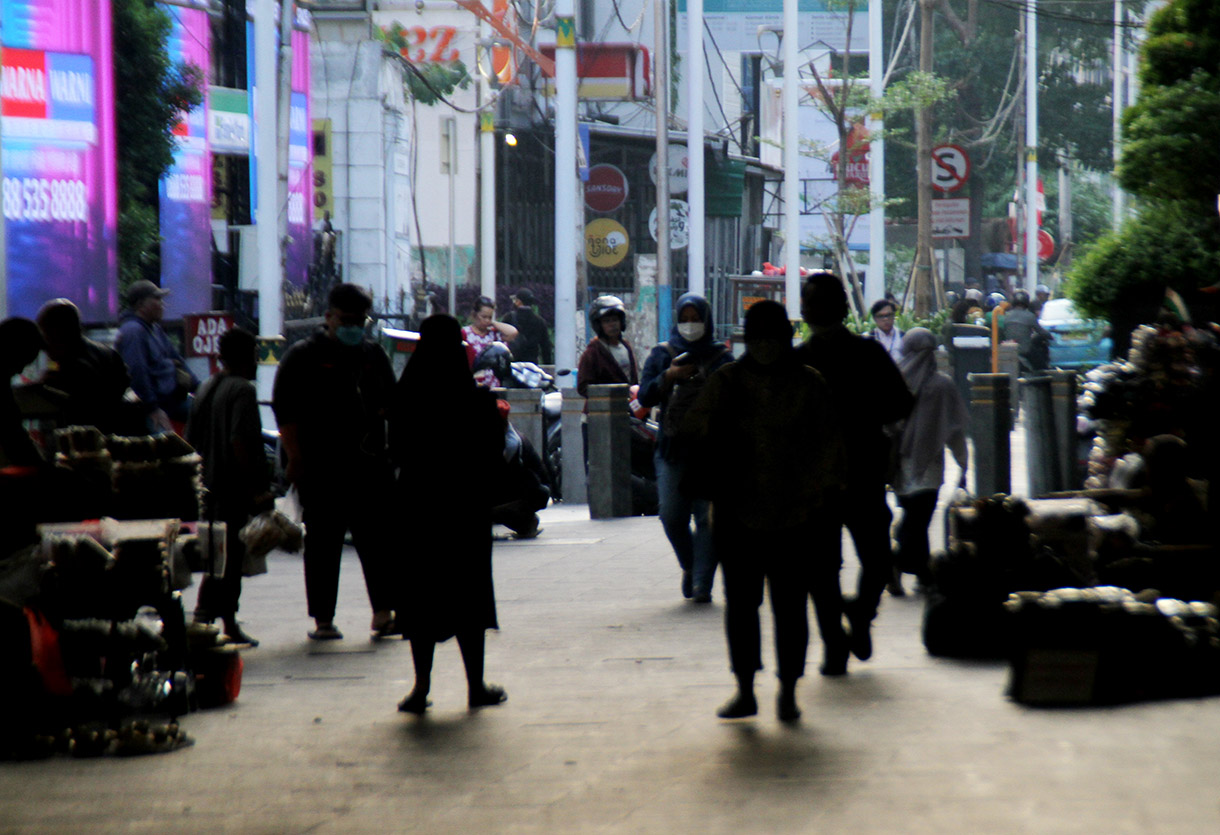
(137, 477)
(1106, 645)
(1157, 390)
(96, 641)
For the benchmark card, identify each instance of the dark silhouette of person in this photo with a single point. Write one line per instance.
(331, 399)
(868, 393)
(20, 342)
(767, 453)
(226, 431)
(518, 482)
(93, 376)
(446, 588)
(1020, 325)
(533, 342)
(938, 419)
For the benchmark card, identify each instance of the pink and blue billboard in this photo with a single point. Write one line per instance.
(60, 207)
(186, 189)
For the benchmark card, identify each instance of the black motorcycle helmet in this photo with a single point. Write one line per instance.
(497, 358)
(606, 306)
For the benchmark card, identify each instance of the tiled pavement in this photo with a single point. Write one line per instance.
(613, 681)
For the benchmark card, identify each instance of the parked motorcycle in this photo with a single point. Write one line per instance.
(512, 374)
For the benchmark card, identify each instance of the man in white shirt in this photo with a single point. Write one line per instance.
(889, 337)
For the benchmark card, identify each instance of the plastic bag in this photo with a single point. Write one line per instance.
(268, 531)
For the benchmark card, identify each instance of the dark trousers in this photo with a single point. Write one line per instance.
(330, 510)
(218, 596)
(748, 557)
(914, 553)
(866, 514)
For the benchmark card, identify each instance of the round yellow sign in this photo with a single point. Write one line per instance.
(606, 242)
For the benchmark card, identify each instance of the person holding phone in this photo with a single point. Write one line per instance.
(674, 374)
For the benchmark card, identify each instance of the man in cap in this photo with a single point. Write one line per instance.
(533, 336)
(159, 375)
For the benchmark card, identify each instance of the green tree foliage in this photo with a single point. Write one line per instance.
(151, 93)
(1170, 160)
(427, 82)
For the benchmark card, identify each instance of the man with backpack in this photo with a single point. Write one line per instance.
(674, 374)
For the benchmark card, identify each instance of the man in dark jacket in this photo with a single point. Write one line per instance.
(533, 336)
(159, 375)
(868, 393)
(1020, 325)
(331, 398)
(226, 431)
(768, 454)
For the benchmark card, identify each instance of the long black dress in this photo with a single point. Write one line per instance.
(445, 436)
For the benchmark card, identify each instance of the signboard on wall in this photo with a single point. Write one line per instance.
(186, 189)
(60, 204)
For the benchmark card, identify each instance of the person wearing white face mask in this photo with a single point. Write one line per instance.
(673, 375)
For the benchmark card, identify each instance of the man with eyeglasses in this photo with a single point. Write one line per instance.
(886, 334)
(331, 399)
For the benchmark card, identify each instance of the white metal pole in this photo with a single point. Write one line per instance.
(661, 74)
(792, 183)
(874, 280)
(1031, 145)
(565, 188)
(451, 163)
(270, 296)
(695, 254)
(487, 177)
(1118, 199)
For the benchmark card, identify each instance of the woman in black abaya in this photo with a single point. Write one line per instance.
(444, 433)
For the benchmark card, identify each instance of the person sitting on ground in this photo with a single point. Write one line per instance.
(518, 482)
(483, 331)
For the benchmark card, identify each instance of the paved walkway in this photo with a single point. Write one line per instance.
(613, 681)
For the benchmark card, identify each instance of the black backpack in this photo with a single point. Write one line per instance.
(682, 396)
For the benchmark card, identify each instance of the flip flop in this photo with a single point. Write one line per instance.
(491, 695)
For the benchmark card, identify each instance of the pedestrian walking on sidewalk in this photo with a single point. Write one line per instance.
(331, 398)
(446, 589)
(225, 429)
(767, 452)
(674, 374)
(938, 419)
(868, 393)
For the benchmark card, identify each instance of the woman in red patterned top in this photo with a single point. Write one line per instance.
(482, 331)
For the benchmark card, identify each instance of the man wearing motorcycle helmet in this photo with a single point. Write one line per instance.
(608, 358)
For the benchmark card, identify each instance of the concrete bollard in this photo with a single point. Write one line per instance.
(526, 415)
(1041, 444)
(573, 488)
(609, 452)
(990, 419)
(1063, 397)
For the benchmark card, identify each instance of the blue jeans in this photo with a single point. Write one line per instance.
(693, 549)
